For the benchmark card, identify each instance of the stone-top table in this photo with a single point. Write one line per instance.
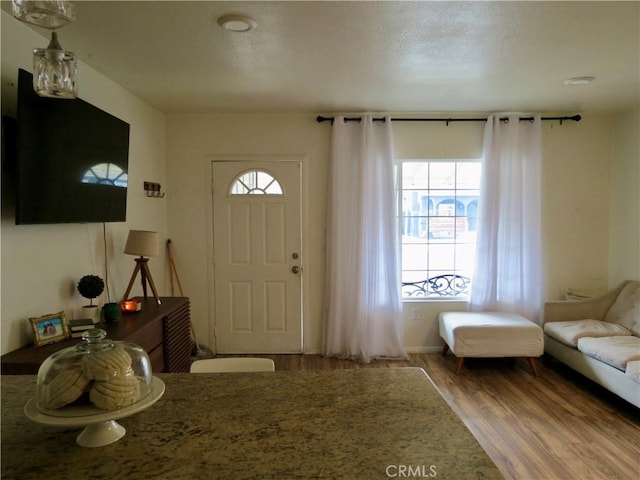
(355, 424)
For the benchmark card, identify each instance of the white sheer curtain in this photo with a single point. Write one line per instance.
(363, 305)
(508, 274)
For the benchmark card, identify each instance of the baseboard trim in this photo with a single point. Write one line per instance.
(434, 349)
(423, 349)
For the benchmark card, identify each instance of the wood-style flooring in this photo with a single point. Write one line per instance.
(559, 426)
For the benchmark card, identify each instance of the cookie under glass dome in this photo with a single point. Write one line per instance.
(97, 375)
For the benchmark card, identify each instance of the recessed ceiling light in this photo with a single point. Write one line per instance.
(579, 81)
(237, 23)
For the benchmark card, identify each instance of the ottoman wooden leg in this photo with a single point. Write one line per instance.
(459, 363)
(445, 348)
(534, 366)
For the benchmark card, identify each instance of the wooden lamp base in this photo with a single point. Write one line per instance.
(145, 273)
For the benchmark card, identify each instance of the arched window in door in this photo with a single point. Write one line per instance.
(256, 182)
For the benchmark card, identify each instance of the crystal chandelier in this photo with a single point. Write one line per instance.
(54, 68)
(54, 71)
(51, 14)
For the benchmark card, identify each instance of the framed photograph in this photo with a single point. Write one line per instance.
(49, 328)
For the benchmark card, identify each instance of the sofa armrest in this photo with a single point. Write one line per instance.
(590, 308)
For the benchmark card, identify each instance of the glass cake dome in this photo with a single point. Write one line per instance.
(97, 375)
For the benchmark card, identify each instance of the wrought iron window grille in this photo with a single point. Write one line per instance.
(449, 285)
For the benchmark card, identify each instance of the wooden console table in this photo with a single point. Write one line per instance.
(162, 330)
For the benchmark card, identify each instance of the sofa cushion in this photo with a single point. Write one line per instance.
(624, 309)
(635, 327)
(633, 370)
(570, 332)
(614, 351)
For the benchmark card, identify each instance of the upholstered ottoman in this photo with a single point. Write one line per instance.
(490, 334)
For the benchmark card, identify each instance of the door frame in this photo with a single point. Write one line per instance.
(304, 227)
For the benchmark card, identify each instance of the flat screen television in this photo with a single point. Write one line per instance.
(72, 160)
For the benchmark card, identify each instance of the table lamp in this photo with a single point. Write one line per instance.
(145, 244)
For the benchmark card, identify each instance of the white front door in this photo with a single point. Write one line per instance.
(257, 256)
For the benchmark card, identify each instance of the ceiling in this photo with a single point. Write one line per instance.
(382, 56)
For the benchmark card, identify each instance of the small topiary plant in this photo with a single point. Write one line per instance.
(90, 286)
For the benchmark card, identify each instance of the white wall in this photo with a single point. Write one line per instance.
(591, 171)
(193, 141)
(624, 210)
(41, 264)
(577, 164)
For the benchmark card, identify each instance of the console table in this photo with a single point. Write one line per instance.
(162, 330)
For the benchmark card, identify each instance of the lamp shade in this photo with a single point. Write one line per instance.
(143, 243)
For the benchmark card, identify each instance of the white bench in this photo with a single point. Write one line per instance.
(490, 334)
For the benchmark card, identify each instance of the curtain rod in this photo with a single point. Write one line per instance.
(320, 119)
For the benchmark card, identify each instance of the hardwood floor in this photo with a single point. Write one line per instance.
(557, 426)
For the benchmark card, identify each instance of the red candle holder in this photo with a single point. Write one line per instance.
(130, 306)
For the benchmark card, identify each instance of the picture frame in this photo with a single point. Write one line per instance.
(49, 328)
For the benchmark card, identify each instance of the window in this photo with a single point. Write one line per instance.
(256, 182)
(438, 210)
(106, 174)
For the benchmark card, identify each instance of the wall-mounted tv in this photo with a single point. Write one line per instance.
(71, 160)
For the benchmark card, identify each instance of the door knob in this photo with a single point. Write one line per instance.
(296, 269)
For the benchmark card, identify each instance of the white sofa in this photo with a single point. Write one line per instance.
(600, 338)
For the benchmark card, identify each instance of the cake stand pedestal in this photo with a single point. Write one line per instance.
(101, 427)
